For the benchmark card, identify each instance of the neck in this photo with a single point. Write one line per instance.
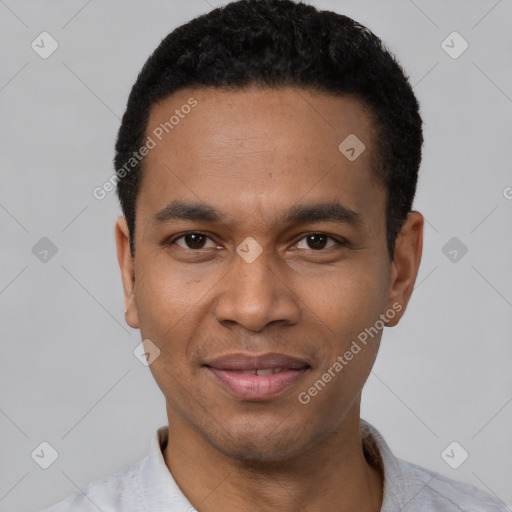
(330, 474)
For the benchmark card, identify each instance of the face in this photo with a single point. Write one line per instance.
(256, 234)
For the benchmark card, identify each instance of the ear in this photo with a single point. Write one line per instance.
(405, 264)
(125, 260)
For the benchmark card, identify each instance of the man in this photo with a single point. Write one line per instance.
(267, 163)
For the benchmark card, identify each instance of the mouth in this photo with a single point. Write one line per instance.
(256, 378)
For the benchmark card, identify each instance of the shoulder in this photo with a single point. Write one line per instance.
(118, 491)
(435, 492)
(412, 488)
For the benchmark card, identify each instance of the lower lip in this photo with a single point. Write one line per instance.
(257, 387)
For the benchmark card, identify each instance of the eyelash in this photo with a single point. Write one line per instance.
(340, 242)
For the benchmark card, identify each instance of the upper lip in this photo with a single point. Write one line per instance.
(244, 362)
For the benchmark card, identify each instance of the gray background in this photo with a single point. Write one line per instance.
(68, 375)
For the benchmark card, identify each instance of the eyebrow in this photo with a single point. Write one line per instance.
(298, 214)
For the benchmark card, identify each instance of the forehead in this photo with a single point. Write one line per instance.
(259, 149)
(248, 116)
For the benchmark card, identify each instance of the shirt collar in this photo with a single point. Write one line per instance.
(396, 491)
(158, 488)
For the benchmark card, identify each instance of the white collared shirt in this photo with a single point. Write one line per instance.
(148, 486)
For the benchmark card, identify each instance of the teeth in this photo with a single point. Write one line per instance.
(264, 371)
(269, 371)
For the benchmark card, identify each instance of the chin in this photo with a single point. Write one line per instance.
(258, 446)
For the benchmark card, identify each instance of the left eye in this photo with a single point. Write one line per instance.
(318, 241)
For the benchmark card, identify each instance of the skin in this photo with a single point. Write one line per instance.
(253, 154)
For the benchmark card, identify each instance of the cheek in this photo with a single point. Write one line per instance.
(164, 294)
(349, 301)
(171, 308)
(354, 302)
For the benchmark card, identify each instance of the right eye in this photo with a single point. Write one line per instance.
(193, 240)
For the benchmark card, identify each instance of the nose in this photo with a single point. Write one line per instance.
(256, 293)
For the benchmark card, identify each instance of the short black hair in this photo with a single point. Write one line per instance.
(276, 43)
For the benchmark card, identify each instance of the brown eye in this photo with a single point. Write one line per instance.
(192, 240)
(318, 241)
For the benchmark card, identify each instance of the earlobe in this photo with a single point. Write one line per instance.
(405, 265)
(126, 265)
